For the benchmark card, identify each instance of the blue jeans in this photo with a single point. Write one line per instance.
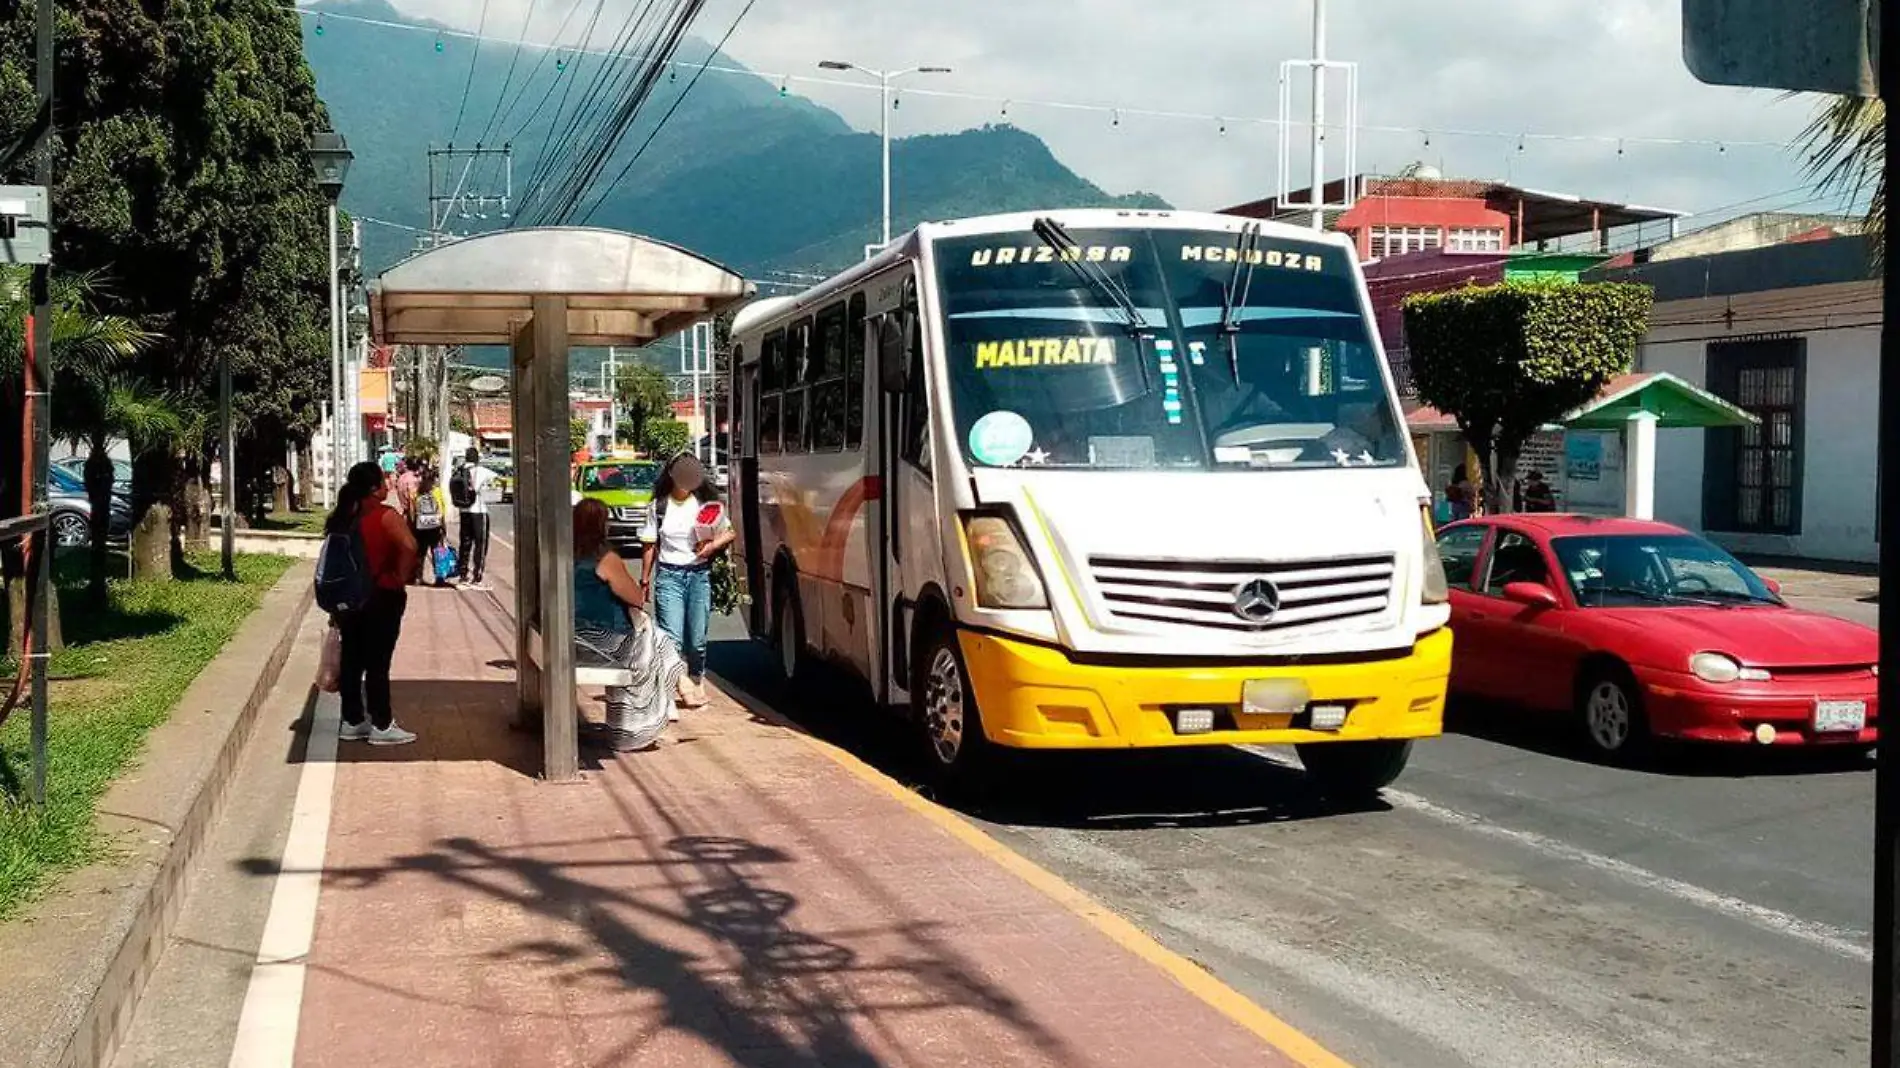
(682, 603)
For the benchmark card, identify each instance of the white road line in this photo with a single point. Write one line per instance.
(1844, 941)
(267, 1027)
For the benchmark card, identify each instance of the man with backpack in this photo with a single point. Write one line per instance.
(468, 491)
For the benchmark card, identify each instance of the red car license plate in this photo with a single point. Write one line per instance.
(1831, 717)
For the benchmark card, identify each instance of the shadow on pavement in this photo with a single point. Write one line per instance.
(1214, 786)
(1556, 735)
(704, 929)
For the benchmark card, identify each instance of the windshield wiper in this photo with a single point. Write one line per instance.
(1647, 595)
(1234, 298)
(1742, 596)
(1051, 233)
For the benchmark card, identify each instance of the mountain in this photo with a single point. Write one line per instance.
(742, 173)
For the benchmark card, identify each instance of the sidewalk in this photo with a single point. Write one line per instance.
(739, 896)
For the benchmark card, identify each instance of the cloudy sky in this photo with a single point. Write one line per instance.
(1592, 70)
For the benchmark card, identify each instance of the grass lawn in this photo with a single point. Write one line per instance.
(120, 674)
(310, 522)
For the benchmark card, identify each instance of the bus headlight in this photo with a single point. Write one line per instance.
(1436, 590)
(1005, 577)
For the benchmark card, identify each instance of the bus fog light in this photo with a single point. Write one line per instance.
(1193, 721)
(1327, 717)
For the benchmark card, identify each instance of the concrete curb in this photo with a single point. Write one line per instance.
(78, 961)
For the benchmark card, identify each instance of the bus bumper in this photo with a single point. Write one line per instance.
(1035, 697)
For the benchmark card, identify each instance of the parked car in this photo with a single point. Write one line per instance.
(504, 470)
(71, 510)
(626, 488)
(121, 472)
(1641, 630)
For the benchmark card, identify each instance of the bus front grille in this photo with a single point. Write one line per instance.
(1248, 596)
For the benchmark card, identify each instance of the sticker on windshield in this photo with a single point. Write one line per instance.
(1045, 352)
(1291, 261)
(999, 439)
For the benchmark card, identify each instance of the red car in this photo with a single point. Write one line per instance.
(1643, 630)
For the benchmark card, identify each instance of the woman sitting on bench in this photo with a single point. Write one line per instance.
(610, 628)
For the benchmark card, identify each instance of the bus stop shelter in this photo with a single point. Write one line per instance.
(1640, 404)
(541, 291)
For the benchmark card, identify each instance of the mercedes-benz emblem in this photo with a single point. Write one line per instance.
(1257, 600)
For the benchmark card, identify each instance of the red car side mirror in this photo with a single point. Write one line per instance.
(1531, 594)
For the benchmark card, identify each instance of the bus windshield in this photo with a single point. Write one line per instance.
(1120, 348)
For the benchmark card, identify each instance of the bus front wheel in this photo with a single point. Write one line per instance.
(1350, 771)
(951, 726)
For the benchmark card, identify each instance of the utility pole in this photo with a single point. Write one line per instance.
(1318, 67)
(884, 80)
(459, 186)
(1319, 114)
(39, 387)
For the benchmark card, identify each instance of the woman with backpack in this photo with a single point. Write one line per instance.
(428, 518)
(686, 530)
(368, 547)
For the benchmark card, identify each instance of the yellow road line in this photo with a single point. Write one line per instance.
(1229, 1002)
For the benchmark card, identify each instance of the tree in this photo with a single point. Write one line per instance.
(1505, 360)
(667, 438)
(99, 395)
(643, 393)
(576, 435)
(1846, 147)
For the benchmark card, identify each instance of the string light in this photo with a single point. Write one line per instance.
(1056, 105)
(896, 101)
(319, 30)
(439, 45)
(785, 87)
(1223, 127)
(1520, 142)
(560, 62)
(1118, 118)
(1006, 109)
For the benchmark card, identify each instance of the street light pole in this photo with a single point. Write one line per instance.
(884, 80)
(330, 157)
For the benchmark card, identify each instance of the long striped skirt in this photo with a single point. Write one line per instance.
(637, 714)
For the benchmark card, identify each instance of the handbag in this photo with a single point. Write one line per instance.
(443, 561)
(330, 664)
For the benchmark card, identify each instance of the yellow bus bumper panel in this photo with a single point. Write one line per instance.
(1036, 697)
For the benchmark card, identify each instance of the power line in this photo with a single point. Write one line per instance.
(469, 82)
(1216, 120)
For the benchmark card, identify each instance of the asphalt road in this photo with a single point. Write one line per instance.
(1510, 903)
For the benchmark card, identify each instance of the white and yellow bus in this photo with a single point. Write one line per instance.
(1096, 479)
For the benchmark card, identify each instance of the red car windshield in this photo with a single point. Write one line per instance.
(1650, 570)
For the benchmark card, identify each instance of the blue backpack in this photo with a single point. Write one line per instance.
(344, 583)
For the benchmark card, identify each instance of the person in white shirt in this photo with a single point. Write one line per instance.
(686, 529)
(469, 489)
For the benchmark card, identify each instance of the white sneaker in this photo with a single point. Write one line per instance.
(392, 735)
(353, 732)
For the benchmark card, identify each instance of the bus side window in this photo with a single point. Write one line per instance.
(827, 381)
(797, 363)
(772, 379)
(854, 374)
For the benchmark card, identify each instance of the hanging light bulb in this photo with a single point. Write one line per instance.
(785, 87)
(1721, 149)
(560, 62)
(1520, 142)
(1428, 139)
(1006, 109)
(672, 75)
(1619, 146)
(319, 24)
(1223, 127)
(439, 46)
(1118, 118)
(896, 102)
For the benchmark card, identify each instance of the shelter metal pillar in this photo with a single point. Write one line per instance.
(560, 734)
(527, 528)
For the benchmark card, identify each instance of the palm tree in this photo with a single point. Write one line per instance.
(1846, 146)
(97, 394)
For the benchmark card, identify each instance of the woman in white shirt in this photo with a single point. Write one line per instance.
(686, 529)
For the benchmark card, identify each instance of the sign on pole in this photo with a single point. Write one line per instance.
(24, 237)
(1818, 46)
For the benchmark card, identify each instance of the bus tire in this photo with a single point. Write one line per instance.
(788, 633)
(1354, 771)
(956, 752)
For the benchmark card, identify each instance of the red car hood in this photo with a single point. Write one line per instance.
(1764, 636)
